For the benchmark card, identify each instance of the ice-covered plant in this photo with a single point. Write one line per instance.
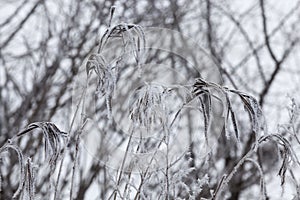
(133, 42)
(148, 168)
(54, 143)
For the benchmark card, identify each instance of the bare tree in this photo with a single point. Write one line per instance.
(148, 99)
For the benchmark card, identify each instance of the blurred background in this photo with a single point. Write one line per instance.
(254, 46)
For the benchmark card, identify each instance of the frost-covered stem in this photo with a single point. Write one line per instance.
(262, 182)
(227, 178)
(58, 176)
(83, 122)
(180, 109)
(146, 171)
(75, 158)
(137, 195)
(123, 162)
(296, 184)
(214, 196)
(167, 170)
(30, 179)
(70, 129)
(127, 184)
(74, 166)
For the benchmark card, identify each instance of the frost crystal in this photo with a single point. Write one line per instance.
(148, 106)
